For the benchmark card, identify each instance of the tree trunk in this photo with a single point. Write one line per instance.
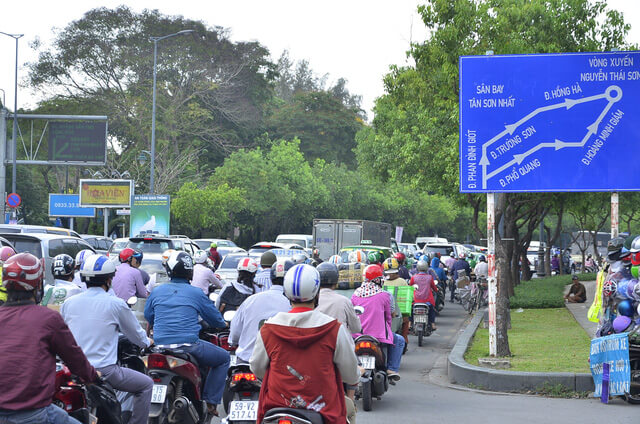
(503, 269)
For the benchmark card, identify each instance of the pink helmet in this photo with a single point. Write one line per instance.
(6, 252)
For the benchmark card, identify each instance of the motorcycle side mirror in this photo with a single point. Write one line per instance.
(359, 310)
(228, 316)
(415, 286)
(132, 301)
(213, 297)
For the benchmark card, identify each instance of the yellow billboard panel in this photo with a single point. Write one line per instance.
(105, 193)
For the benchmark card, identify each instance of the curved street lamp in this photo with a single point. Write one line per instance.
(153, 112)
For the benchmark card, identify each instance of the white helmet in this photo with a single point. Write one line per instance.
(200, 257)
(422, 266)
(81, 256)
(335, 259)
(301, 283)
(248, 264)
(97, 268)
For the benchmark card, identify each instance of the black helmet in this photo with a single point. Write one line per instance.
(62, 265)
(180, 265)
(482, 258)
(267, 259)
(328, 274)
(615, 248)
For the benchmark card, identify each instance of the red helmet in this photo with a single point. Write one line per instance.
(22, 272)
(126, 254)
(6, 252)
(372, 272)
(400, 257)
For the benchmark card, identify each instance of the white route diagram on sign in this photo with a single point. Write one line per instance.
(612, 94)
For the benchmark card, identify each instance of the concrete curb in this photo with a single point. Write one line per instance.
(463, 373)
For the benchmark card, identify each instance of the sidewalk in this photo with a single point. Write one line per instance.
(579, 310)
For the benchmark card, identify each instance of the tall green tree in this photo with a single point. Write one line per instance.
(417, 118)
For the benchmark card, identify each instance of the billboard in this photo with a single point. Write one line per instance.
(106, 193)
(150, 213)
(549, 122)
(82, 142)
(68, 205)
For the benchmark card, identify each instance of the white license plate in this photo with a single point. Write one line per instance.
(233, 360)
(420, 318)
(246, 410)
(159, 393)
(367, 362)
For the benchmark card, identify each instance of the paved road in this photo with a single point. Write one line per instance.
(425, 396)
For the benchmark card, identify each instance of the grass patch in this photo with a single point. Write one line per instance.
(541, 340)
(547, 292)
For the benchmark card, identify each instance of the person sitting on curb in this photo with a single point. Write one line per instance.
(577, 292)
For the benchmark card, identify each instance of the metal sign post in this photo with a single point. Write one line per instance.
(492, 280)
(615, 217)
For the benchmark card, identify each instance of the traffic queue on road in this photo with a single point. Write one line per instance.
(160, 335)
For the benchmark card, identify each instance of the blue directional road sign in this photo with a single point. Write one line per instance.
(550, 122)
(68, 205)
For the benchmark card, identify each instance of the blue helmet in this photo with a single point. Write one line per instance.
(625, 308)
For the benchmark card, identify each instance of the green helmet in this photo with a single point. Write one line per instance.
(375, 257)
(213, 245)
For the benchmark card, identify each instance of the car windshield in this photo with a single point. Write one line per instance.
(30, 246)
(118, 246)
(443, 250)
(151, 246)
(152, 265)
(299, 242)
(231, 261)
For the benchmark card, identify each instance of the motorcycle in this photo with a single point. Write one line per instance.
(421, 326)
(241, 394)
(292, 416)
(88, 404)
(439, 296)
(220, 336)
(374, 382)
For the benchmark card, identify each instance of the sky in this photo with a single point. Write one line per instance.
(354, 39)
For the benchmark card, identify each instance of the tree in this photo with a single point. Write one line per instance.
(417, 118)
(211, 92)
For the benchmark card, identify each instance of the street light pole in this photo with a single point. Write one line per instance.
(153, 110)
(15, 112)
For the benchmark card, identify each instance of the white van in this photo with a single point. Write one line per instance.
(304, 240)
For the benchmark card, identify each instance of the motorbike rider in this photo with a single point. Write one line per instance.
(233, 294)
(203, 277)
(128, 280)
(262, 281)
(79, 260)
(214, 255)
(460, 265)
(450, 260)
(424, 293)
(257, 309)
(32, 337)
(96, 318)
(304, 355)
(376, 319)
(403, 272)
(173, 309)
(391, 270)
(437, 269)
(5, 253)
(376, 258)
(482, 268)
(62, 268)
(333, 304)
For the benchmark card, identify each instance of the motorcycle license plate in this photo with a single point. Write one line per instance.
(245, 410)
(159, 393)
(232, 360)
(420, 318)
(367, 362)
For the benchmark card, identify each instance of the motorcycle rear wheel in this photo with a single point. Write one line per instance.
(420, 336)
(367, 396)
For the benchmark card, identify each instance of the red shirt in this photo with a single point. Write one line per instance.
(31, 337)
(426, 285)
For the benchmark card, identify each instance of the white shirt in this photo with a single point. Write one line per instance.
(262, 280)
(96, 318)
(203, 277)
(481, 269)
(246, 322)
(78, 281)
(59, 292)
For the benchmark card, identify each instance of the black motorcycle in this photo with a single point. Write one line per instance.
(375, 381)
(241, 394)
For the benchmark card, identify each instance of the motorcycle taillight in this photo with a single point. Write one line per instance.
(157, 361)
(244, 376)
(284, 421)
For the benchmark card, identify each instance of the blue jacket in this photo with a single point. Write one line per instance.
(435, 265)
(173, 311)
